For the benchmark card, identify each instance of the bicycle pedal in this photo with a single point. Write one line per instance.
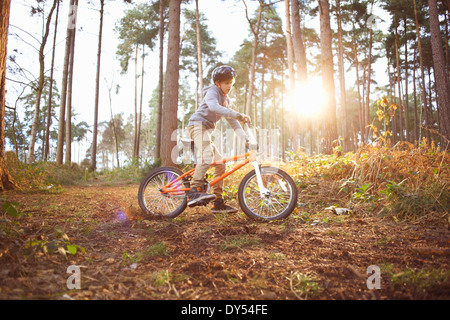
(200, 203)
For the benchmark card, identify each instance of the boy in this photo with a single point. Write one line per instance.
(214, 106)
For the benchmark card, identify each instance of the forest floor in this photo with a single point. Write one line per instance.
(313, 254)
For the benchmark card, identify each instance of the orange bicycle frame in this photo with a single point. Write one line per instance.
(249, 156)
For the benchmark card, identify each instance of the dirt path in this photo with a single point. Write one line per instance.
(204, 256)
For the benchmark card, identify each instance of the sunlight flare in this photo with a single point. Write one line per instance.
(307, 99)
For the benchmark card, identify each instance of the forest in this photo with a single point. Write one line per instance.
(350, 98)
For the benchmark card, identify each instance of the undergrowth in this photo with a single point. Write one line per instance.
(404, 181)
(43, 176)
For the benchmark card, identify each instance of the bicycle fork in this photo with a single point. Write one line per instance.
(262, 189)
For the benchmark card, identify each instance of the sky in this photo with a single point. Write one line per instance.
(226, 21)
(229, 35)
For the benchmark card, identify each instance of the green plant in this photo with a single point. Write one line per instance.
(128, 258)
(418, 279)
(60, 243)
(11, 208)
(158, 249)
(362, 193)
(405, 202)
(303, 285)
(239, 241)
(164, 277)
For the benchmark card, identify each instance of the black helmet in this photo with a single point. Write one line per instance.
(223, 73)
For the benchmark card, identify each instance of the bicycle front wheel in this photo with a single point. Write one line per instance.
(154, 202)
(278, 203)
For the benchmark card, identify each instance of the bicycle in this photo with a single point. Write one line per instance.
(266, 193)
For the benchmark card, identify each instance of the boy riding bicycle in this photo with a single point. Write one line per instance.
(215, 105)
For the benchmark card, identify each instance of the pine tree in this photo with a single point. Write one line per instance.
(6, 180)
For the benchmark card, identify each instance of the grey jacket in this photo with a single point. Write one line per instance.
(214, 106)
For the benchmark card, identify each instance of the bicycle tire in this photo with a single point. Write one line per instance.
(278, 205)
(153, 202)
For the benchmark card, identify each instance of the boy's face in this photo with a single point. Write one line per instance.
(226, 85)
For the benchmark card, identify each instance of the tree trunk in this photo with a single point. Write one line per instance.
(161, 80)
(416, 134)
(342, 78)
(255, 31)
(6, 180)
(199, 53)
(135, 105)
(361, 110)
(68, 155)
(116, 139)
(399, 80)
(299, 46)
(40, 86)
(169, 119)
(369, 77)
(422, 73)
(261, 124)
(329, 123)
(391, 97)
(406, 97)
(141, 102)
(50, 91)
(62, 109)
(442, 81)
(290, 50)
(97, 91)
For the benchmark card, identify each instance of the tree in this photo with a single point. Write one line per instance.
(97, 89)
(170, 106)
(189, 46)
(254, 27)
(40, 85)
(161, 79)
(28, 101)
(329, 123)
(199, 49)
(50, 94)
(289, 44)
(115, 129)
(68, 155)
(422, 69)
(6, 180)
(299, 46)
(136, 29)
(441, 74)
(342, 75)
(62, 110)
(355, 13)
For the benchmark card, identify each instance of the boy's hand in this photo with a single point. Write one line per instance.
(251, 145)
(244, 118)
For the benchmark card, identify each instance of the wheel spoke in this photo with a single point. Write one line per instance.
(275, 203)
(160, 203)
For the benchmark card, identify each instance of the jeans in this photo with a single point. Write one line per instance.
(206, 153)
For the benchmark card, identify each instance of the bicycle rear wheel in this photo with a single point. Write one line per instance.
(280, 201)
(154, 202)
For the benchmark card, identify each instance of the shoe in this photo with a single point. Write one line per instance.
(196, 196)
(219, 206)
